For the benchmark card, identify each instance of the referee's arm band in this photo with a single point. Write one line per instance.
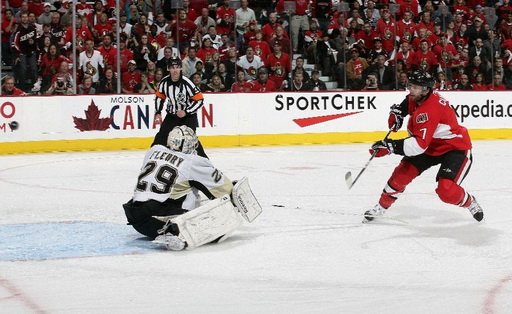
(159, 95)
(198, 96)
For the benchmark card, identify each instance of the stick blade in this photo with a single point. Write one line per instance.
(348, 179)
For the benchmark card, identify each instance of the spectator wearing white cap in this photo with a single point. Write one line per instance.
(46, 16)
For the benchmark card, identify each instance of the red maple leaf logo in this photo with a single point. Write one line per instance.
(92, 122)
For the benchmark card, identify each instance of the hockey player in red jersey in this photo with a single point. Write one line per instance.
(435, 138)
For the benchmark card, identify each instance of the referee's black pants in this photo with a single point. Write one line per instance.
(171, 121)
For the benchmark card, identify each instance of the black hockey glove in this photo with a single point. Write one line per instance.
(382, 148)
(396, 118)
(387, 147)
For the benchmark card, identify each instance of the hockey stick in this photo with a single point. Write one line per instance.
(348, 175)
(390, 218)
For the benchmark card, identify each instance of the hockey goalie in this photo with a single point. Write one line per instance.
(167, 204)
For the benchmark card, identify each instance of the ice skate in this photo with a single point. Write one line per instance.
(475, 209)
(369, 215)
(171, 242)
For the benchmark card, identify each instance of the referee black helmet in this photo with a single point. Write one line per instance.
(173, 61)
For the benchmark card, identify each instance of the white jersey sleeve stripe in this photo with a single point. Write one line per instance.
(412, 148)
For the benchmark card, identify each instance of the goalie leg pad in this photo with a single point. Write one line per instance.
(245, 201)
(208, 222)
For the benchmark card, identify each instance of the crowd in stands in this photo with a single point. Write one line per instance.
(264, 45)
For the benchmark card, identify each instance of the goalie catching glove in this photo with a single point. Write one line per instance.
(396, 118)
(387, 147)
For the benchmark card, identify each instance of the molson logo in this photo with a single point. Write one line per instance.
(129, 113)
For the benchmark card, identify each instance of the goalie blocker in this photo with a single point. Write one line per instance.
(216, 219)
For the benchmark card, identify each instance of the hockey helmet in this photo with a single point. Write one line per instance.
(422, 78)
(182, 139)
(173, 61)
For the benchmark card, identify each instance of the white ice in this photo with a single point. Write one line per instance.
(307, 253)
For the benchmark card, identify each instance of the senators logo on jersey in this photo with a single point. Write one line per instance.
(422, 118)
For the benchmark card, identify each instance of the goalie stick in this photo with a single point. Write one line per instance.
(348, 175)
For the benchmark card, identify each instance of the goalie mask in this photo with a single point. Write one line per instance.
(182, 139)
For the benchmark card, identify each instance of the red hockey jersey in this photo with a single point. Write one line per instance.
(433, 128)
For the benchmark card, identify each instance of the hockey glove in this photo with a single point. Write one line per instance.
(383, 148)
(396, 118)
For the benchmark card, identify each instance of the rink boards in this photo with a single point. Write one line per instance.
(117, 122)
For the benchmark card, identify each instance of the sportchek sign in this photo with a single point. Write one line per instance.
(131, 116)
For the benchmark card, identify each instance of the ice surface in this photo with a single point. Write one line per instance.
(65, 246)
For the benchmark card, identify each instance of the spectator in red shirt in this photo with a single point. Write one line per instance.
(445, 53)
(311, 37)
(206, 51)
(406, 28)
(225, 47)
(479, 83)
(406, 55)
(36, 7)
(49, 65)
(279, 37)
(82, 34)
(496, 83)
(386, 28)
(263, 84)
(241, 85)
(367, 34)
(62, 82)
(269, 29)
(8, 88)
(505, 27)
(130, 78)
(190, 12)
(280, 65)
(355, 67)
(101, 28)
(261, 48)
(426, 22)
(125, 53)
(185, 32)
(108, 51)
(225, 18)
(408, 6)
(83, 8)
(298, 19)
(424, 59)
(94, 17)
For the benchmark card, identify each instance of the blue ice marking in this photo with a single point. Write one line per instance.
(54, 240)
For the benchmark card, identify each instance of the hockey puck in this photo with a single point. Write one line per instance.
(14, 125)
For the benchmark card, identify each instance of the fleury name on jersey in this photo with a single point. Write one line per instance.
(168, 157)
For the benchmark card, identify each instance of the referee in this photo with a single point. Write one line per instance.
(184, 99)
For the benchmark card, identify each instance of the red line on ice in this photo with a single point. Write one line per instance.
(18, 294)
(491, 295)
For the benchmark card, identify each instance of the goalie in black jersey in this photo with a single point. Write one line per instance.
(168, 185)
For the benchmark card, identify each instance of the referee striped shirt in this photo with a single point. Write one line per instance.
(180, 95)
